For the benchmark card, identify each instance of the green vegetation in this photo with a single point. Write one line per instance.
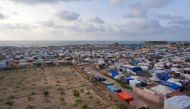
(33, 84)
(11, 97)
(58, 81)
(81, 90)
(46, 93)
(120, 106)
(61, 90)
(90, 97)
(29, 98)
(10, 103)
(78, 101)
(47, 108)
(33, 93)
(88, 93)
(85, 106)
(30, 107)
(124, 85)
(76, 93)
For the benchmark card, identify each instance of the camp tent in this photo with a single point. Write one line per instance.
(113, 73)
(125, 96)
(177, 102)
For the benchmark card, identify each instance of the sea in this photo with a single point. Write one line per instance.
(60, 43)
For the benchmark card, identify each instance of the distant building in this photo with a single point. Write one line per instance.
(2, 57)
(156, 43)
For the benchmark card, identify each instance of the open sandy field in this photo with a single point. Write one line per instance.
(48, 88)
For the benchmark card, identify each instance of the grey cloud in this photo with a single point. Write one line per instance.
(87, 27)
(31, 2)
(2, 16)
(151, 29)
(97, 20)
(50, 24)
(140, 25)
(16, 26)
(169, 17)
(140, 13)
(69, 16)
(180, 22)
(157, 3)
(117, 2)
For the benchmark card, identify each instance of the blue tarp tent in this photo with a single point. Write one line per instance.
(114, 73)
(162, 74)
(171, 85)
(137, 69)
(127, 79)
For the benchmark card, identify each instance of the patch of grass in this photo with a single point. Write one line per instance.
(78, 101)
(11, 97)
(57, 81)
(47, 108)
(119, 106)
(62, 98)
(62, 92)
(33, 93)
(123, 84)
(34, 84)
(81, 90)
(88, 93)
(85, 106)
(9, 103)
(82, 85)
(30, 106)
(90, 97)
(14, 91)
(2, 77)
(76, 93)
(18, 86)
(29, 98)
(46, 93)
(19, 83)
(45, 79)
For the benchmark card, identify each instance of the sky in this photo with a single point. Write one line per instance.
(116, 20)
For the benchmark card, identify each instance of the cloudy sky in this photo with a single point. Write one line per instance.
(95, 20)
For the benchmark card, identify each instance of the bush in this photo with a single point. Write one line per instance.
(33, 93)
(85, 106)
(29, 98)
(62, 99)
(10, 103)
(76, 93)
(78, 100)
(30, 107)
(11, 97)
(46, 93)
(120, 106)
(58, 81)
(82, 90)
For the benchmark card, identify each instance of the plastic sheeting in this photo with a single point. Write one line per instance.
(114, 73)
(160, 89)
(108, 83)
(171, 85)
(177, 102)
(133, 83)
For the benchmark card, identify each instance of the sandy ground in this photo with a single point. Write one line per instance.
(66, 88)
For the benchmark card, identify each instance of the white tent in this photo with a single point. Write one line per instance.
(177, 102)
